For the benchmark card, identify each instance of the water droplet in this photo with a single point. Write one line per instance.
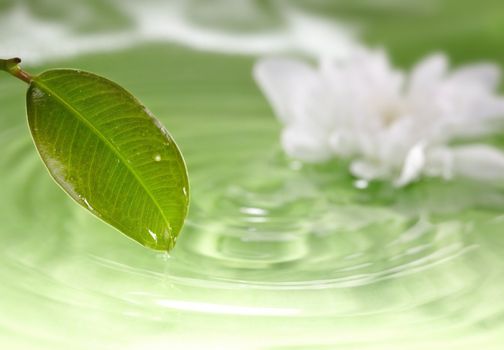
(157, 157)
(87, 204)
(153, 235)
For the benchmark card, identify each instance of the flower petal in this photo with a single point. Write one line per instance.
(300, 142)
(427, 73)
(413, 165)
(478, 161)
(439, 162)
(367, 170)
(343, 143)
(286, 84)
(357, 109)
(486, 75)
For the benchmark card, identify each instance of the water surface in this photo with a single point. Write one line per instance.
(274, 255)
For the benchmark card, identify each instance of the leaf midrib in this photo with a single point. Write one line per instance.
(114, 149)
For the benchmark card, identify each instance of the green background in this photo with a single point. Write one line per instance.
(320, 265)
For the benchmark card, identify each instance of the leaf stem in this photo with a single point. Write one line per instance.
(12, 66)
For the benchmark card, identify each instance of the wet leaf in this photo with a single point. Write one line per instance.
(108, 152)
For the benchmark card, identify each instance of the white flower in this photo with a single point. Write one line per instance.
(390, 126)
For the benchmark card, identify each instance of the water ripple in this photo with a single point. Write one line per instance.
(265, 240)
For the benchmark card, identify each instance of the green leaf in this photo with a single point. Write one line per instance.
(110, 154)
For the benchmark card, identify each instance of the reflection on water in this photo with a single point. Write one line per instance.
(275, 255)
(245, 26)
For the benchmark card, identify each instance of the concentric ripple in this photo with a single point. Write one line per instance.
(275, 254)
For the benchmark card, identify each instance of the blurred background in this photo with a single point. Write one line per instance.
(365, 269)
(40, 30)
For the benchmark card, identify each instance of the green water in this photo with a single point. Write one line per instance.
(274, 255)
